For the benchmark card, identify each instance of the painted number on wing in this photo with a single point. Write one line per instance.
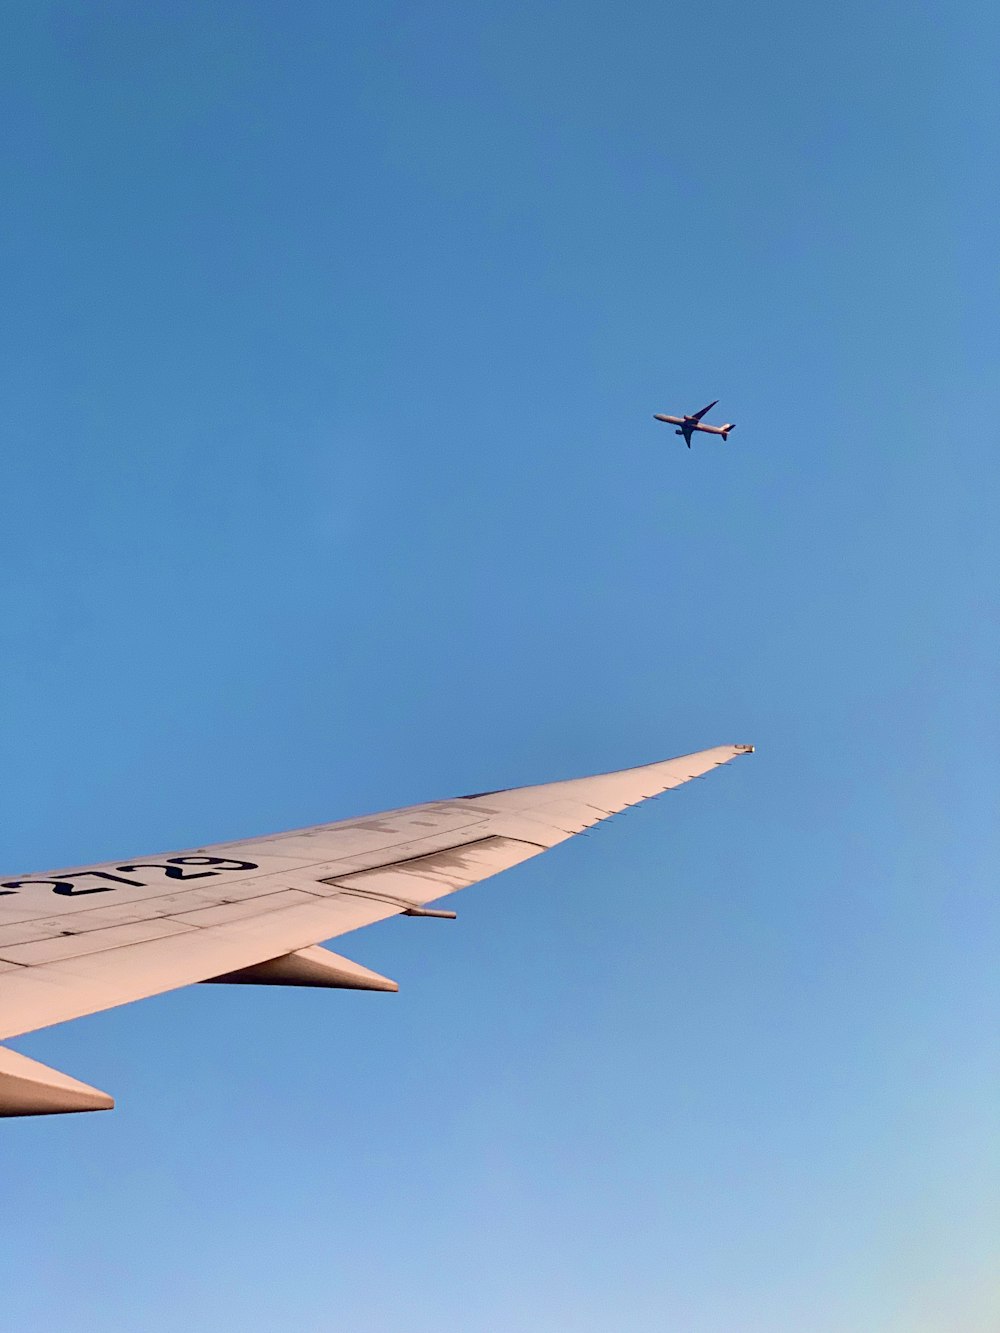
(174, 867)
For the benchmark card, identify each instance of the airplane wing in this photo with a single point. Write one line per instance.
(74, 942)
(697, 416)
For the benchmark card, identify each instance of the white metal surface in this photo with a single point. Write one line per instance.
(30, 1088)
(78, 941)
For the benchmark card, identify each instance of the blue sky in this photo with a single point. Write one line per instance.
(332, 339)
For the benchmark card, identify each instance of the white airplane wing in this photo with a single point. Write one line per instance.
(697, 416)
(74, 942)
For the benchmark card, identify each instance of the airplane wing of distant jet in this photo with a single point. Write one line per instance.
(697, 416)
(74, 942)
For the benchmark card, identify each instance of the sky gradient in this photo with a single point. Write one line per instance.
(333, 337)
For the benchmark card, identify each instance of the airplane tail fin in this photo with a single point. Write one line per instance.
(731, 425)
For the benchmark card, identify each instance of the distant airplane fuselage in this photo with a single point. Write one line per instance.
(689, 424)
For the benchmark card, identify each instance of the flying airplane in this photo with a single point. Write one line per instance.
(688, 425)
(75, 942)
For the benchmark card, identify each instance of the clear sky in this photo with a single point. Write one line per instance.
(332, 337)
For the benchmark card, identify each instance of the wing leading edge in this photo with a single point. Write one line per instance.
(75, 942)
